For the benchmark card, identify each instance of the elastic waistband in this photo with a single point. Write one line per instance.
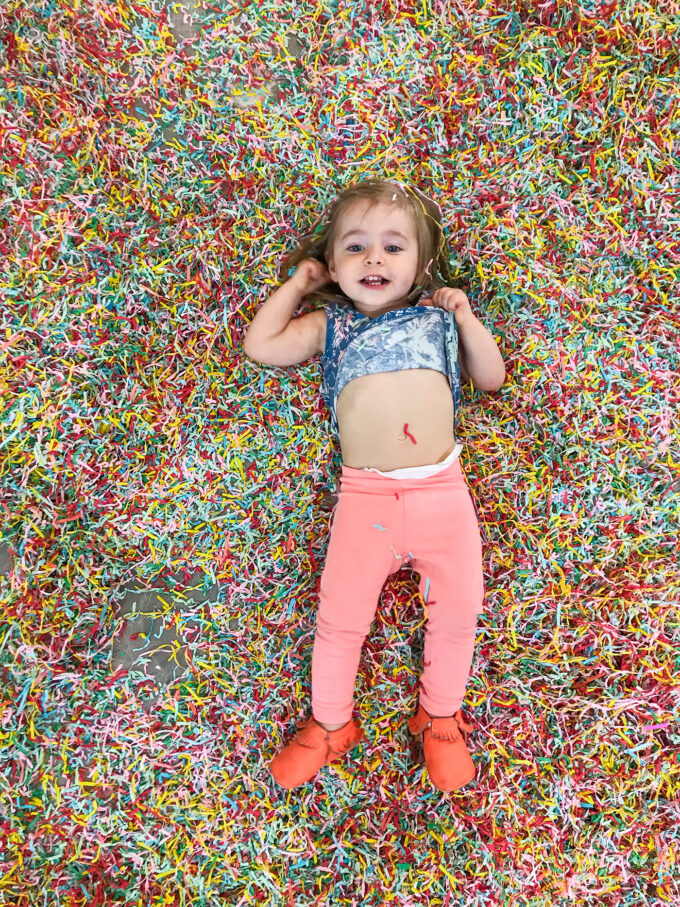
(410, 472)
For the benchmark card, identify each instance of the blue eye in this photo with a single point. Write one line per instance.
(359, 246)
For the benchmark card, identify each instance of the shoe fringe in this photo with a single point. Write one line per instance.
(308, 736)
(452, 734)
(462, 724)
(449, 729)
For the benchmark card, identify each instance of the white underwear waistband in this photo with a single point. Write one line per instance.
(419, 472)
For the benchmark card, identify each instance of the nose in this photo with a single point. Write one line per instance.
(372, 255)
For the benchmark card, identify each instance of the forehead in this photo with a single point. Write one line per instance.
(376, 216)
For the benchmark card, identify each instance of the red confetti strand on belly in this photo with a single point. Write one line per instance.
(408, 434)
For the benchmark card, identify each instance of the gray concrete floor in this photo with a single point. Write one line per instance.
(155, 624)
(5, 560)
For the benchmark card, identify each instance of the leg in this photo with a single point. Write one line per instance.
(448, 655)
(360, 558)
(449, 559)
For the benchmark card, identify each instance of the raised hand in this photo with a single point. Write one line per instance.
(452, 300)
(310, 275)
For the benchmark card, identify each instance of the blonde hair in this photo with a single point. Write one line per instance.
(433, 255)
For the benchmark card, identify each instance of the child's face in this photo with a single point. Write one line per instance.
(382, 242)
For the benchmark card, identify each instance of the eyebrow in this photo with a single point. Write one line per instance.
(386, 233)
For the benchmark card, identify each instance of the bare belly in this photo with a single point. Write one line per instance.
(373, 410)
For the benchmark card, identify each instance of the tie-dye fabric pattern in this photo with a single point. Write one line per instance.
(415, 337)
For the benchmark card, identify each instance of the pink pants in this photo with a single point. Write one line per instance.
(378, 525)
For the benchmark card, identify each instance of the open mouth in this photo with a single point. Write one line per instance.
(372, 282)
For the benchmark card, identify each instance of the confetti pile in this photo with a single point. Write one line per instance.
(157, 164)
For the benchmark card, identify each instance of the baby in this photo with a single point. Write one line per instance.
(395, 341)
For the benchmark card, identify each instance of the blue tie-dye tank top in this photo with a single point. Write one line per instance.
(417, 336)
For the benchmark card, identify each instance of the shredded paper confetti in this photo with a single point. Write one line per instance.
(157, 163)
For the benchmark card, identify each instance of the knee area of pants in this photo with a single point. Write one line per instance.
(327, 629)
(455, 626)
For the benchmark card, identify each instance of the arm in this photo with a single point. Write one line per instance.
(272, 338)
(480, 358)
(271, 318)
